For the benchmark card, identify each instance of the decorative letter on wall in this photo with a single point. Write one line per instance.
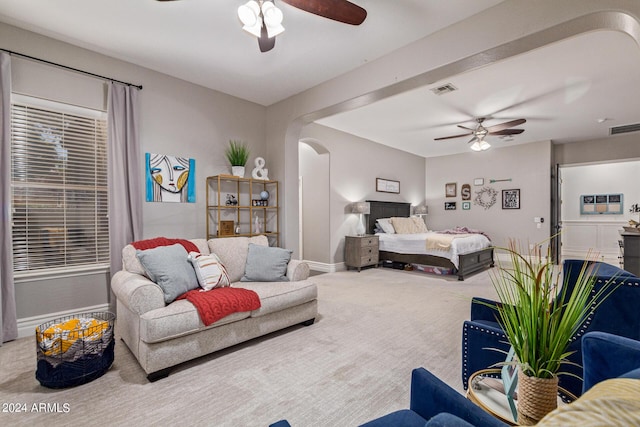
(170, 178)
(465, 192)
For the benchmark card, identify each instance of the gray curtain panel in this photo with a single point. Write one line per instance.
(125, 171)
(8, 321)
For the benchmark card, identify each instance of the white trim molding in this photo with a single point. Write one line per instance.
(325, 267)
(579, 237)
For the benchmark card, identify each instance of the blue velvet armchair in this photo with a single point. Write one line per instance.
(618, 315)
(435, 404)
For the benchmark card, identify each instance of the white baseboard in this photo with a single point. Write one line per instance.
(27, 326)
(325, 267)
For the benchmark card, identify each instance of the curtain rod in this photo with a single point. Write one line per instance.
(33, 58)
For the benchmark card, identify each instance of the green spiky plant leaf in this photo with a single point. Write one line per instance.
(237, 153)
(537, 313)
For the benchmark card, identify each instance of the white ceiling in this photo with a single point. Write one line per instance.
(202, 41)
(562, 90)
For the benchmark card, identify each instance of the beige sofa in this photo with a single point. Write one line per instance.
(161, 336)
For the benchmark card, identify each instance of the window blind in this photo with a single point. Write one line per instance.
(59, 187)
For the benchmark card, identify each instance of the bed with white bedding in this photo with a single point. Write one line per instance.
(463, 253)
(418, 244)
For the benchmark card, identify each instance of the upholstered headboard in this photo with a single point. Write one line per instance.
(380, 209)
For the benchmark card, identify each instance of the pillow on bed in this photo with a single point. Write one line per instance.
(405, 225)
(420, 224)
(385, 224)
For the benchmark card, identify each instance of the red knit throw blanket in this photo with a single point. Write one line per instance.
(163, 241)
(217, 303)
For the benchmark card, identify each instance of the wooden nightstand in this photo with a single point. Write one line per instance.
(360, 251)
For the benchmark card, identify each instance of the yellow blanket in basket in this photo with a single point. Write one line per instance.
(58, 338)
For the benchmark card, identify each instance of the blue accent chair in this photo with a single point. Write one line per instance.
(617, 315)
(435, 404)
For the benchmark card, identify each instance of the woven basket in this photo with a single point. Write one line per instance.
(536, 398)
(70, 357)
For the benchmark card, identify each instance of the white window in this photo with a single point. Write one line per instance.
(59, 186)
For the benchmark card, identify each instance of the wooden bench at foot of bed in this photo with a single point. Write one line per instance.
(467, 263)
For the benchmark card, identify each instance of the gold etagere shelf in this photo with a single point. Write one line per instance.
(242, 207)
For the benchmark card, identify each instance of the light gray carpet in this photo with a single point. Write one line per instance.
(352, 365)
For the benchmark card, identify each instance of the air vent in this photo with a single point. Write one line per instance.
(446, 88)
(624, 129)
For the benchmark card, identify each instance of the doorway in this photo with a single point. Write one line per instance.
(314, 199)
(596, 228)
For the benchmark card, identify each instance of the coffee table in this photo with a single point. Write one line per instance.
(495, 401)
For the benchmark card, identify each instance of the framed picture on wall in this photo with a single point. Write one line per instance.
(449, 206)
(596, 204)
(450, 189)
(511, 199)
(466, 206)
(387, 185)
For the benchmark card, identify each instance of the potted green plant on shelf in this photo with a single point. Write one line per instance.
(237, 154)
(539, 316)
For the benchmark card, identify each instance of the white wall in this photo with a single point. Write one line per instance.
(355, 165)
(509, 28)
(316, 207)
(528, 167)
(599, 233)
(176, 117)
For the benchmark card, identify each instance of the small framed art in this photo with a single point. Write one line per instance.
(387, 186)
(511, 199)
(478, 181)
(594, 204)
(449, 206)
(226, 228)
(450, 189)
(466, 206)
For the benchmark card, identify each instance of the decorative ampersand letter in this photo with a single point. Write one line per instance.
(259, 172)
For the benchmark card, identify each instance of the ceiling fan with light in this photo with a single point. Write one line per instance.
(264, 20)
(480, 132)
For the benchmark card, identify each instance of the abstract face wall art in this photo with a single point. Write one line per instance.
(170, 178)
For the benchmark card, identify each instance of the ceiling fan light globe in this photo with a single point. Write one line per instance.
(254, 30)
(272, 19)
(476, 146)
(273, 31)
(249, 13)
(484, 145)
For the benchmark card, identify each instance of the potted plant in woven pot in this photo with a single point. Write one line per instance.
(539, 316)
(237, 154)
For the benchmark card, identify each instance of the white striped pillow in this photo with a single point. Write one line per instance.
(209, 270)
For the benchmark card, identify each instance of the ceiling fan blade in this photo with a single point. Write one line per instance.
(466, 128)
(337, 10)
(507, 132)
(506, 125)
(475, 138)
(453, 136)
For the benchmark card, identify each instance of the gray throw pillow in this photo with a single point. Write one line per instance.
(169, 267)
(266, 264)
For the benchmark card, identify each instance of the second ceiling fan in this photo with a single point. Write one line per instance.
(337, 10)
(480, 132)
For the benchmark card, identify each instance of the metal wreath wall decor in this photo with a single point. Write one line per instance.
(486, 197)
